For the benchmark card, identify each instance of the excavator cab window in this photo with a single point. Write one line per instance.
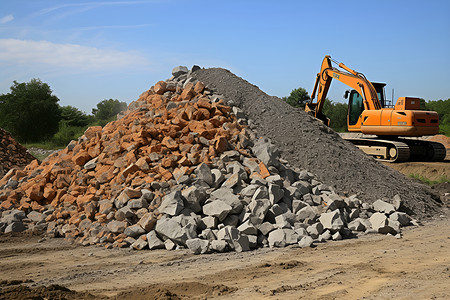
(379, 87)
(355, 106)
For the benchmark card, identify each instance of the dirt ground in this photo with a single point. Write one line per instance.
(374, 266)
(432, 170)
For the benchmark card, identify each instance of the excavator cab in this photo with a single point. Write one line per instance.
(356, 102)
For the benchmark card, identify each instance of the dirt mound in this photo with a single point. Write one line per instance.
(180, 290)
(14, 290)
(12, 154)
(307, 143)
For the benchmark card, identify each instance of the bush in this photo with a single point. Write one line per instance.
(66, 133)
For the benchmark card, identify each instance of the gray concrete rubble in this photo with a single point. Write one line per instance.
(243, 198)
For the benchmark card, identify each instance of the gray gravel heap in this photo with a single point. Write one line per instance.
(306, 143)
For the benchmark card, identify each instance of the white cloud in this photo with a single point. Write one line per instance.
(6, 19)
(14, 51)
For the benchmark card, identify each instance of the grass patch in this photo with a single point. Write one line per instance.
(427, 181)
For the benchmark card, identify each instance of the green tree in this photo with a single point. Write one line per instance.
(297, 98)
(72, 116)
(30, 112)
(442, 107)
(108, 109)
(337, 112)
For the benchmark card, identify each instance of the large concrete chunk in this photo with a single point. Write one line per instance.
(134, 230)
(384, 225)
(384, 207)
(172, 229)
(400, 217)
(275, 193)
(217, 208)
(307, 212)
(277, 238)
(204, 173)
(117, 226)
(172, 204)
(226, 195)
(180, 70)
(258, 209)
(198, 246)
(153, 241)
(305, 241)
(194, 196)
(356, 225)
(332, 220)
(266, 152)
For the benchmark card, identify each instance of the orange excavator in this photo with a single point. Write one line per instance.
(368, 113)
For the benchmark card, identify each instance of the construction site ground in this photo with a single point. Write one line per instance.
(373, 266)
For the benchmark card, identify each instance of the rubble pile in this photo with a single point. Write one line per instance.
(178, 169)
(12, 154)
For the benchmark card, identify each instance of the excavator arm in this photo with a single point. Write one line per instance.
(353, 79)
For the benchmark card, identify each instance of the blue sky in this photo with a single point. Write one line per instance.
(88, 51)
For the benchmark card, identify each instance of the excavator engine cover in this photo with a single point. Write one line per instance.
(407, 103)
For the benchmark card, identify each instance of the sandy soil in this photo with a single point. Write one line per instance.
(416, 266)
(434, 171)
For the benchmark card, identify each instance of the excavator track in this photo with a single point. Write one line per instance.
(399, 150)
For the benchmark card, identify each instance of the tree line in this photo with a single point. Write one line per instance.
(31, 113)
(337, 112)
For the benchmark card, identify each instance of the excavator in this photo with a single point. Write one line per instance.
(395, 127)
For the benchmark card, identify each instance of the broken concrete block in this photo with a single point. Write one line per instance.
(332, 220)
(203, 172)
(217, 208)
(218, 177)
(275, 193)
(241, 244)
(218, 245)
(356, 225)
(382, 206)
(139, 244)
(226, 195)
(291, 237)
(180, 70)
(172, 229)
(210, 222)
(315, 230)
(307, 212)
(400, 217)
(198, 246)
(282, 222)
(325, 236)
(16, 226)
(36, 217)
(195, 197)
(117, 226)
(153, 241)
(134, 231)
(277, 238)
(265, 228)
(172, 204)
(305, 241)
(248, 228)
(258, 209)
(266, 152)
(169, 245)
(397, 202)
